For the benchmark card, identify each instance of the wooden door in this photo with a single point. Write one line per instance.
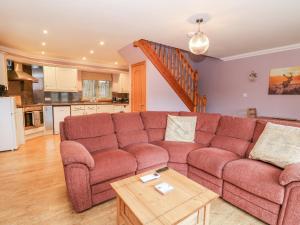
(138, 87)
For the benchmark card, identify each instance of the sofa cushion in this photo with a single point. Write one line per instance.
(156, 120)
(155, 124)
(234, 134)
(203, 138)
(206, 122)
(129, 128)
(156, 134)
(235, 145)
(111, 164)
(132, 137)
(211, 160)
(99, 143)
(147, 155)
(178, 151)
(95, 132)
(256, 177)
(236, 127)
(87, 126)
(127, 122)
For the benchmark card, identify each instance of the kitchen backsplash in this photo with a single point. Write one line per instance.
(62, 96)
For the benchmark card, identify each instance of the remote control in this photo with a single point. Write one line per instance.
(149, 177)
(162, 169)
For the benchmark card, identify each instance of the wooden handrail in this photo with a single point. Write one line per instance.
(177, 71)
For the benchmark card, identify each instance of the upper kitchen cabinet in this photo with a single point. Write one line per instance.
(66, 79)
(121, 83)
(49, 78)
(60, 79)
(3, 73)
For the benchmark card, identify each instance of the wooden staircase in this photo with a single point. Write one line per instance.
(177, 71)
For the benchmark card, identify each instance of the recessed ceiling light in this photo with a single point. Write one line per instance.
(43, 43)
(45, 32)
(116, 63)
(91, 51)
(101, 43)
(43, 53)
(83, 58)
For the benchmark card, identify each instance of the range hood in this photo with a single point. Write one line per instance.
(18, 74)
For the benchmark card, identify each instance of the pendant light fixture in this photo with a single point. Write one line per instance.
(199, 42)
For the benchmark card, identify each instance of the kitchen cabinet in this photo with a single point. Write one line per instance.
(49, 78)
(121, 108)
(48, 118)
(118, 108)
(121, 83)
(60, 79)
(77, 110)
(3, 72)
(90, 109)
(127, 108)
(59, 114)
(66, 79)
(104, 108)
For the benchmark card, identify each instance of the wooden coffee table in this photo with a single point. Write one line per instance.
(139, 203)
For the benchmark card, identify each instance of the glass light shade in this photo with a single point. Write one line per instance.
(199, 43)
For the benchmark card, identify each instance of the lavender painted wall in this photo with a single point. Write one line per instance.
(226, 83)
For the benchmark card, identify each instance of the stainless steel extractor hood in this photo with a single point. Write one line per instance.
(19, 74)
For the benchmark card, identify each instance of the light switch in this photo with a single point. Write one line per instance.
(245, 95)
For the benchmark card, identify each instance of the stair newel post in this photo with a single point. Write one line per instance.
(190, 82)
(195, 91)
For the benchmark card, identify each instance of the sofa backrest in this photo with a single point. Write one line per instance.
(234, 134)
(95, 132)
(129, 128)
(155, 123)
(207, 124)
(260, 126)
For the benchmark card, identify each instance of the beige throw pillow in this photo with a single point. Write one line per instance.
(181, 128)
(278, 145)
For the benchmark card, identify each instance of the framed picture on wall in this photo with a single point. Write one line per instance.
(285, 81)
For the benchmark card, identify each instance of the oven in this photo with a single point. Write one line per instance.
(33, 117)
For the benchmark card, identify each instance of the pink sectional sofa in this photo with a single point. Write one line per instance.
(101, 148)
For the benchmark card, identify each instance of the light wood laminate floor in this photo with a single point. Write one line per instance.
(33, 192)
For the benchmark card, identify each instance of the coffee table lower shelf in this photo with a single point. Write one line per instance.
(126, 217)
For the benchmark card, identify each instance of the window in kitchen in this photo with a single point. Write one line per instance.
(96, 89)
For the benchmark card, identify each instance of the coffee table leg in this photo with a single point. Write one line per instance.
(206, 214)
(203, 215)
(119, 218)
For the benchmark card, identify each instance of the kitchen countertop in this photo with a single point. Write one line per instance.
(72, 103)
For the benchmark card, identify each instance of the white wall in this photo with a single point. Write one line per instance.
(3, 73)
(160, 96)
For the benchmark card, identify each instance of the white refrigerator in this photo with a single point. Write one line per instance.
(11, 124)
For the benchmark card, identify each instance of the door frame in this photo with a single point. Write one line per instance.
(131, 78)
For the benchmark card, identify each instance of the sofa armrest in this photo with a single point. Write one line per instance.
(74, 152)
(291, 173)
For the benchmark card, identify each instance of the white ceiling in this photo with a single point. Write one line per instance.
(76, 26)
